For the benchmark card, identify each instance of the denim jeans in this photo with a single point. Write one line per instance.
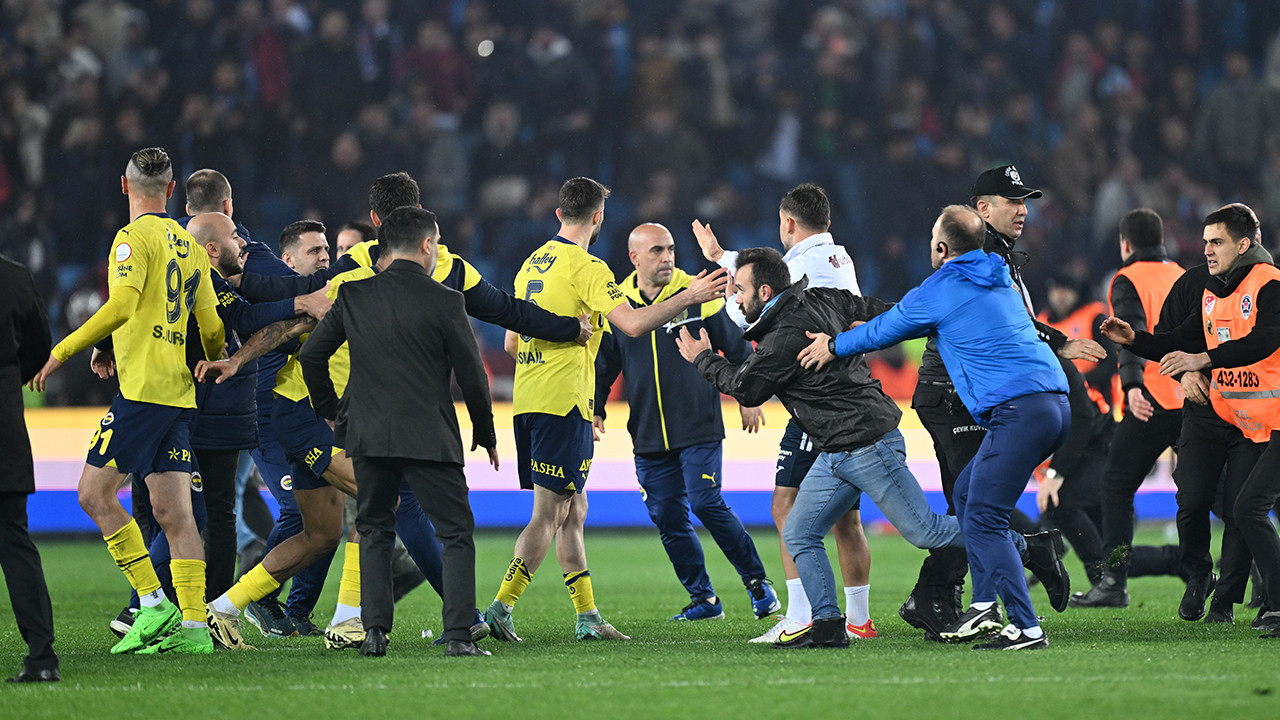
(834, 483)
(1021, 433)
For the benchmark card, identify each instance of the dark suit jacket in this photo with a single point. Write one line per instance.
(407, 333)
(24, 347)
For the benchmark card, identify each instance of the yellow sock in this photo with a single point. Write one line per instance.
(514, 582)
(579, 584)
(130, 553)
(188, 584)
(255, 585)
(349, 588)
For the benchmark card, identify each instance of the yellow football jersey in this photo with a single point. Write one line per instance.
(159, 258)
(289, 381)
(451, 271)
(555, 378)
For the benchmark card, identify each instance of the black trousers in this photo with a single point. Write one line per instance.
(1253, 505)
(28, 593)
(956, 439)
(1214, 461)
(1078, 513)
(1134, 450)
(218, 473)
(441, 489)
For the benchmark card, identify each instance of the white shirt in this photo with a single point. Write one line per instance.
(817, 256)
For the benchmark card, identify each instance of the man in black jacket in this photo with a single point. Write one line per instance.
(842, 408)
(676, 427)
(401, 366)
(1234, 340)
(24, 345)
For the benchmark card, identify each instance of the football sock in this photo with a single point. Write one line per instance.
(514, 582)
(798, 608)
(579, 584)
(152, 598)
(857, 604)
(188, 585)
(1033, 632)
(349, 588)
(130, 553)
(255, 585)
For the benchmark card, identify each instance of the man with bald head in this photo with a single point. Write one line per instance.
(225, 419)
(1013, 386)
(676, 427)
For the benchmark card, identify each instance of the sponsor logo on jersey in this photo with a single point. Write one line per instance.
(542, 263)
(286, 482)
(197, 482)
(108, 418)
(123, 252)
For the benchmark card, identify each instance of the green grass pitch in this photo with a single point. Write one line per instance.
(1141, 662)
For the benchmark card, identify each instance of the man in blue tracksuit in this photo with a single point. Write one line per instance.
(676, 428)
(1014, 387)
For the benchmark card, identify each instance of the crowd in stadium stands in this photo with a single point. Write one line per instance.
(687, 108)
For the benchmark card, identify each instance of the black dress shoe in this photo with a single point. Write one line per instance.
(375, 643)
(27, 675)
(1220, 613)
(1198, 591)
(1044, 560)
(462, 648)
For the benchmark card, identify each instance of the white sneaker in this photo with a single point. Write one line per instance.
(785, 625)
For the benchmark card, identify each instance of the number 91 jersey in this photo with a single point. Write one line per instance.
(157, 257)
(556, 378)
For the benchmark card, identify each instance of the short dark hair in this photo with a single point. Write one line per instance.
(293, 232)
(808, 204)
(1239, 219)
(206, 191)
(580, 198)
(1142, 228)
(393, 191)
(366, 230)
(404, 228)
(770, 268)
(962, 229)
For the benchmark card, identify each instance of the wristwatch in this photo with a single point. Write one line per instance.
(831, 346)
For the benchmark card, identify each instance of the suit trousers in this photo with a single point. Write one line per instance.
(28, 593)
(441, 488)
(1134, 449)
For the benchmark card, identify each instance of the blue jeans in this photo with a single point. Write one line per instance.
(834, 483)
(304, 591)
(1021, 433)
(690, 478)
(244, 535)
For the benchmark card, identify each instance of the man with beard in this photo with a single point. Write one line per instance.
(553, 399)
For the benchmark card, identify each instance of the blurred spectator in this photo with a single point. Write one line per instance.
(1232, 127)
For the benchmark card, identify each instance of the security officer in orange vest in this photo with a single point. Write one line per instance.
(1071, 313)
(1235, 342)
(1153, 409)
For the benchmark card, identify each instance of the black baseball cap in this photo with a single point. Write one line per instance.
(1005, 181)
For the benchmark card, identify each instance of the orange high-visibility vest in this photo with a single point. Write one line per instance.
(1153, 279)
(1247, 397)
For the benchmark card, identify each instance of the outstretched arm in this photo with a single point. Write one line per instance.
(121, 304)
(262, 342)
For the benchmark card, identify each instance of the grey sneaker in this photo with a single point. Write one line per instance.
(592, 627)
(269, 617)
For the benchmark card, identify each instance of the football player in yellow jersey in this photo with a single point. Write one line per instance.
(158, 277)
(553, 400)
